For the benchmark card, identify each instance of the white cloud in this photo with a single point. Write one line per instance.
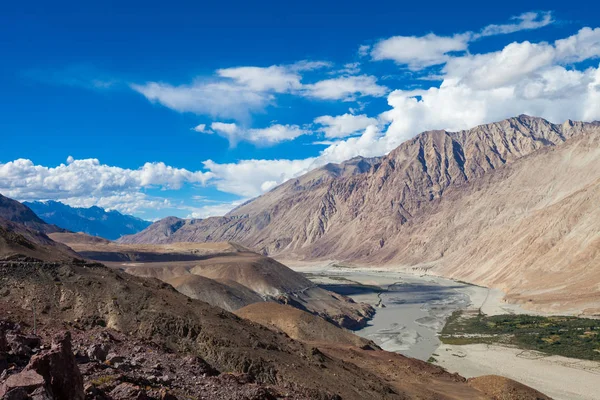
(420, 52)
(217, 99)
(344, 125)
(306, 65)
(519, 61)
(349, 69)
(90, 182)
(274, 78)
(491, 70)
(275, 134)
(201, 128)
(363, 50)
(229, 131)
(247, 178)
(345, 88)
(263, 136)
(238, 92)
(525, 21)
(521, 78)
(581, 46)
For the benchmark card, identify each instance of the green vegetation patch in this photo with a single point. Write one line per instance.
(566, 336)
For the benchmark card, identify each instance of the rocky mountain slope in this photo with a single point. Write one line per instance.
(227, 294)
(139, 338)
(94, 221)
(495, 205)
(18, 241)
(223, 274)
(12, 210)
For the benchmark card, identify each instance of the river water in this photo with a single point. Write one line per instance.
(411, 309)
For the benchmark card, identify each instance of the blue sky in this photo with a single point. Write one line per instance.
(188, 108)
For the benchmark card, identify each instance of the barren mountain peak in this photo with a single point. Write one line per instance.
(369, 216)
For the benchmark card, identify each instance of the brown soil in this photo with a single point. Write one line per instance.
(301, 325)
(501, 388)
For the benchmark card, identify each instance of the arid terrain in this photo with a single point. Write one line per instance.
(509, 205)
(225, 275)
(135, 337)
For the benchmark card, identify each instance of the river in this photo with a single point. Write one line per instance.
(411, 309)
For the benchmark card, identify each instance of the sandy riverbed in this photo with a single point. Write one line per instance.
(558, 377)
(416, 310)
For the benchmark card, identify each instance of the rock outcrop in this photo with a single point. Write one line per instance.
(51, 374)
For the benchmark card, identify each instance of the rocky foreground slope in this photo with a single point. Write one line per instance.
(508, 204)
(135, 337)
(225, 275)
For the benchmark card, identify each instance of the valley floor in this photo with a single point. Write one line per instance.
(558, 377)
(415, 310)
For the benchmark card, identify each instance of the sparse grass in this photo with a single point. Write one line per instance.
(566, 336)
(103, 380)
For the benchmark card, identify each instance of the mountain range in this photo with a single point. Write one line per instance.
(511, 204)
(94, 221)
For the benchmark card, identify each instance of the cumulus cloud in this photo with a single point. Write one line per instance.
(582, 46)
(419, 52)
(90, 182)
(249, 178)
(521, 78)
(262, 136)
(343, 125)
(345, 88)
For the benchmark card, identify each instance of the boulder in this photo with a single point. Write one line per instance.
(21, 385)
(59, 369)
(128, 391)
(98, 352)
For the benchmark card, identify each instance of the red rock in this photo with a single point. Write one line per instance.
(59, 369)
(26, 381)
(127, 391)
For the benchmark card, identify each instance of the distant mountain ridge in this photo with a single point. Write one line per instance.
(94, 221)
(511, 204)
